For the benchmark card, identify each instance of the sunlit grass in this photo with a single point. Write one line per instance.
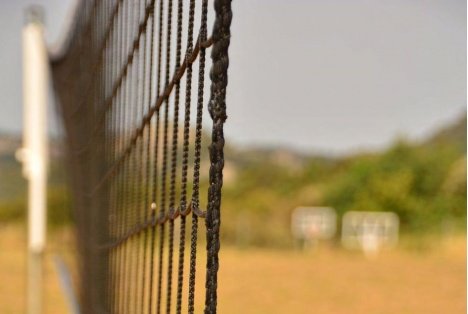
(328, 280)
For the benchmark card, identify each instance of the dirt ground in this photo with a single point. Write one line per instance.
(279, 281)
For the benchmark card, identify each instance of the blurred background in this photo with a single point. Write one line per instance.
(336, 108)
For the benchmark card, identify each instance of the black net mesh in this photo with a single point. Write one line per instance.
(130, 87)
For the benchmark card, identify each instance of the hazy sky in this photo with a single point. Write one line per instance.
(324, 75)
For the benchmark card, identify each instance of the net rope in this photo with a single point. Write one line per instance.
(141, 162)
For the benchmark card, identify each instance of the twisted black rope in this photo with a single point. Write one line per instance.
(183, 196)
(217, 108)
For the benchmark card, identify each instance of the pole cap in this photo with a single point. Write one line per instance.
(34, 14)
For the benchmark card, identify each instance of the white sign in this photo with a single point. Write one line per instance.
(313, 223)
(369, 231)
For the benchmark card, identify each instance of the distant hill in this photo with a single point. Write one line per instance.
(12, 184)
(454, 134)
(423, 182)
(9, 143)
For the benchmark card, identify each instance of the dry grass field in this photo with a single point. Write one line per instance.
(271, 281)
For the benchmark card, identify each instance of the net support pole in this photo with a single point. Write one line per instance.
(34, 151)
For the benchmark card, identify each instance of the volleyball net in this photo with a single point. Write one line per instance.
(143, 122)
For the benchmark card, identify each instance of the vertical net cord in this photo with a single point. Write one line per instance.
(95, 167)
(217, 110)
(149, 186)
(101, 10)
(183, 197)
(120, 196)
(108, 147)
(115, 279)
(197, 157)
(175, 132)
(114, 191)
(84, 269)
(85, 232)
(134, 101)
(116, 252)
(125, 179)
(156, 160)
(132, 210)
(125, 172)
(136, 165)
(91, 154)
(141, 204)
(164, 157)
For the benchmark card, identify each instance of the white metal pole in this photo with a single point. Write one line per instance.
(34, 152)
